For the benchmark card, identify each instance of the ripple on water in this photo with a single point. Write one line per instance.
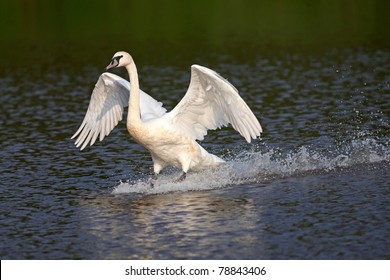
(314, 186)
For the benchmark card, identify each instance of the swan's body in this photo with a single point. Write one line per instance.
(210, 102)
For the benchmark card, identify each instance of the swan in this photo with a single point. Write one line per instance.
(210, 103)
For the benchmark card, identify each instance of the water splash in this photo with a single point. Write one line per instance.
(257, 166)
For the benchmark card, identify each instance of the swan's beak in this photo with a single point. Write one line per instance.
(114, 63)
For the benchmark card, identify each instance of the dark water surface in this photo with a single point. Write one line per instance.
(315, 186)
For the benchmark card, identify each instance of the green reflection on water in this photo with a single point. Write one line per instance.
(83, 28)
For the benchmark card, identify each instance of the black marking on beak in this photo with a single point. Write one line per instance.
(114, 62)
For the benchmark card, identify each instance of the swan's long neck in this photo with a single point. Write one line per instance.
(134, 114)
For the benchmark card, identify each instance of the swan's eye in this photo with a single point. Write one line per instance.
(117, 58)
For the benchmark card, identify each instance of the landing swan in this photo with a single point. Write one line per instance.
(210, 103)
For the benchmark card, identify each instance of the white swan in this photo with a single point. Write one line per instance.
(210, 103)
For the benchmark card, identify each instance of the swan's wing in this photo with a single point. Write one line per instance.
(105, 110)
(150, 108)
(210, 103)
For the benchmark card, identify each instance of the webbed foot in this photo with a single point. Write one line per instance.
(181, 178)
(153, 179)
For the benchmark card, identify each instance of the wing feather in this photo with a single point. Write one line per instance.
(212, 102)
(106, 107)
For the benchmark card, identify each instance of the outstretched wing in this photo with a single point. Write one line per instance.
(105, 110)
(210, 103)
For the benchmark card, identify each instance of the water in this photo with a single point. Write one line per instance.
(315, 186)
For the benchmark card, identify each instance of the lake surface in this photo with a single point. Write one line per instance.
(316, 185)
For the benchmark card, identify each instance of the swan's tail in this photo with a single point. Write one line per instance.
(216, 160)
(207, 160)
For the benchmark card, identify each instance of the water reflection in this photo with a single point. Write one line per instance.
(324, 115)
(171, 226)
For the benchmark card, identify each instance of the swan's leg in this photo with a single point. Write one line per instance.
(185, 166)
(157, 167)
(154, 176)
(153, 179)
(182, 177)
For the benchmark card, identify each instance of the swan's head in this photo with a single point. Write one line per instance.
(120, 59)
